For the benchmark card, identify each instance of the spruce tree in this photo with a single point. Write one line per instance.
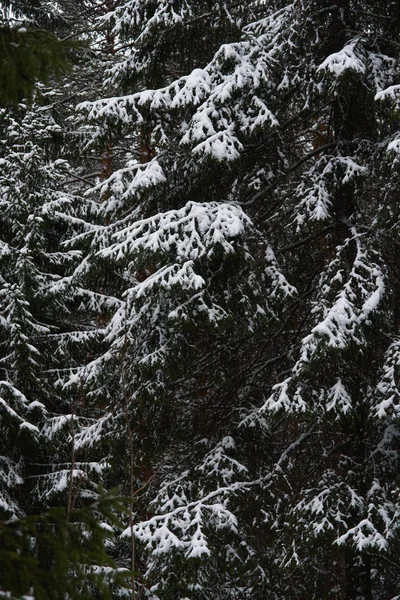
(223, 307)
(56, 528)
(254, 355)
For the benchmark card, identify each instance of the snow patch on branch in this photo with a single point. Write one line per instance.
(345, 60)
(192, 231)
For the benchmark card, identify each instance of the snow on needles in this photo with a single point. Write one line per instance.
(191, 232)
(344, 308)
(226, 104)
(343, 61)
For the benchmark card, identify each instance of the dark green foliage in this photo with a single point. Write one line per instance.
(273, 438)
(57, 554)
(218, 330)
(29, 56)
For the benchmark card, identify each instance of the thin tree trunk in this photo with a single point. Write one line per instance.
(71, 473)
(131, 480)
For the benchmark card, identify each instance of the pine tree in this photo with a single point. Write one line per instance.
(59, 554)
(244, 272)
(30, 50)
(43, 332)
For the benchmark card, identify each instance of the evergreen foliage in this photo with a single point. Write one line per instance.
(264, 392)
(27, 57)
(48, 549)
(210, 319)
(31, 51)
(59, 555)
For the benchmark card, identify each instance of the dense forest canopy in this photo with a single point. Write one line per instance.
(199, 315)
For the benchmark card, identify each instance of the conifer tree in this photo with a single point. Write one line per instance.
(30, 50)
(221, 305)
(261, 393)
(58, 555)
(48, 549)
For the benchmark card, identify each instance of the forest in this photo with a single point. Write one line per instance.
(199, 300)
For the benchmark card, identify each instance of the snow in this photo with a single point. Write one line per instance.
(192, 231)
(387, 396)
(341, 317)
(182, 528)
(126, 183)
(338, 399)
(394, 146)
(219, 464)
(347, 59)
(223, 145)
(173, 275)
(166, 254)
(318, 189)
(365, 536)
(211, 130)
(392, 92)
(342, 320)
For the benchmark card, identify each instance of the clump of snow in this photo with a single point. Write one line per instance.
(347, 59)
